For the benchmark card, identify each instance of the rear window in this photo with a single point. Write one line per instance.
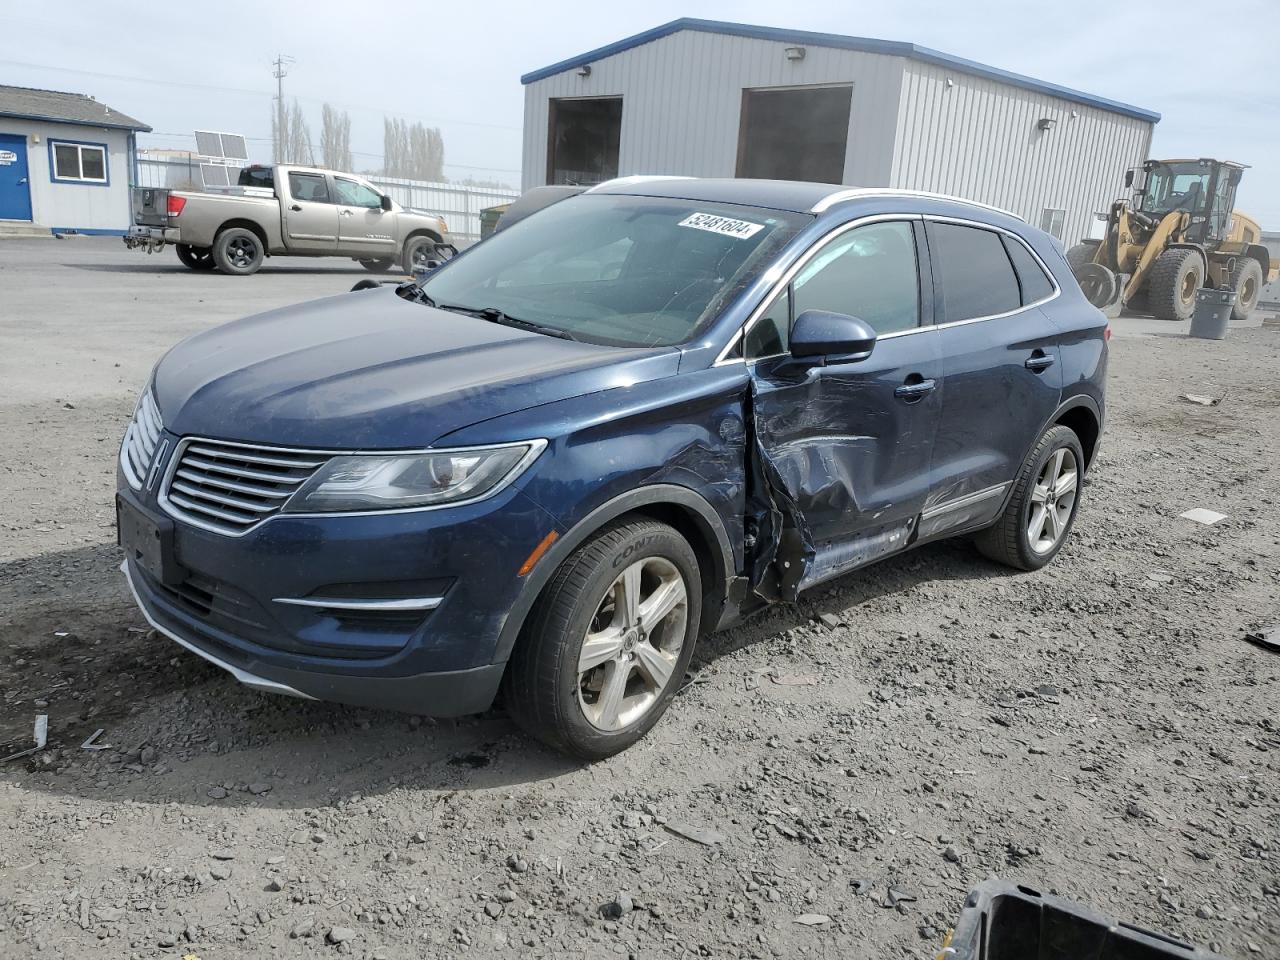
(1035, 284)
(976, 276)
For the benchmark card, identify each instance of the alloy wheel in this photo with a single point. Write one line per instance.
(1052, 500)
(632, 644)
(241, 251)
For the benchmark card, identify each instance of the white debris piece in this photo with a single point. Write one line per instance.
(1201, 515)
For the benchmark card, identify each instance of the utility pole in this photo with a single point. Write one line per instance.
(281, 62)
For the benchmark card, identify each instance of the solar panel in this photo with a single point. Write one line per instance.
(208, 143)
(215, 175)
(234, 147)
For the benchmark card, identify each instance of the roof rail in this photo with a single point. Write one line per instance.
(840, 196)
(636, 178)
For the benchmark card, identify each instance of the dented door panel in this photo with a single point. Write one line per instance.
(843, 461)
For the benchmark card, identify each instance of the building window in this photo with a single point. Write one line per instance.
(1052, 221)
(78, 162)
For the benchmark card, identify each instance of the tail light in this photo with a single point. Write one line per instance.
(176, 204)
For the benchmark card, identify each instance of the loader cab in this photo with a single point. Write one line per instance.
(1205, 189)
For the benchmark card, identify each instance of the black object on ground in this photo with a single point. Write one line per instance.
(1213, 313)
(1005, 921)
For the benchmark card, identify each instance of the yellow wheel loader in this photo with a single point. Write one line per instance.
(1177, 233)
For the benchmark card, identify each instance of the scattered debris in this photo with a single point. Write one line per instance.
(92, 742)
(1202, 400)
(341, 934)
(696, 834)
(812, 919)
(1201, 515)
(40, 735)
(794, 680)
(618, 907)
(830, 620)
(1268, 638)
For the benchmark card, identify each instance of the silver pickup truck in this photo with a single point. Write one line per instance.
(286, 211)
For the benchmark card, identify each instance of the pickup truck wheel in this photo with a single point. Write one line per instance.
(377, 266)
(607, 645)
(197, 258)
(238, 251)
(419, 250)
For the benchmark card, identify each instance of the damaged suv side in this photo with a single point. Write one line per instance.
(613, 428)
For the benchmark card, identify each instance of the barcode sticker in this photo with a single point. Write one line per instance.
(726, 226)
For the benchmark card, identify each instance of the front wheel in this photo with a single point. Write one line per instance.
(608, 642)
(238, 251)
(197, 258)
(1246, 282)
(1046, 495)
(1175, 278)
(419, 251)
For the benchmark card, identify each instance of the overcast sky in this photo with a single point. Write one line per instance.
(458, 65)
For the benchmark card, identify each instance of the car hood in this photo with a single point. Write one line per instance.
(370, 370)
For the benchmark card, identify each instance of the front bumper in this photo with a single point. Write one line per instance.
(237, 601)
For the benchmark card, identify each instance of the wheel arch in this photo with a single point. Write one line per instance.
(1260, 253)
(679, 507)
(420, 232)
(1081, 415)
(254, 228)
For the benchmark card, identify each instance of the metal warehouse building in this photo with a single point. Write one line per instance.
(710, 99)
(66, 162)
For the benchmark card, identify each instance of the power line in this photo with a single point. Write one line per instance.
(152, 82)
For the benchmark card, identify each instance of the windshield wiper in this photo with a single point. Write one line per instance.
(411, 291)
(494, 315)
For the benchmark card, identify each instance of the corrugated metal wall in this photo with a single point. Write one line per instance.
(682, 101)
(979, 139)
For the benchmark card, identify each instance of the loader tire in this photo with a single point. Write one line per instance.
(1246, 281)
(1175, 278)
(1081, 254)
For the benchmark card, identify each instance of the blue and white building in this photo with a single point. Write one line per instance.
(66, 162)
(711, 99)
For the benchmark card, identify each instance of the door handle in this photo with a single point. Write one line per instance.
(1039, 360)
(22, 181)
(916, 388)
(295, 208)
(346, 213)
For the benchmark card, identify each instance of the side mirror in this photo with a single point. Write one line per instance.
(818, 333)
(386, 202)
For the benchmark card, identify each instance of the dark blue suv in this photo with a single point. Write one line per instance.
(616, 426)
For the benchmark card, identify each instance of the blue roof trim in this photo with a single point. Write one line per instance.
(76, 123)
(893, 48)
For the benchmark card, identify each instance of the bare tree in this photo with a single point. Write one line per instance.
(298, 142)
(335, 138)
(414, 152)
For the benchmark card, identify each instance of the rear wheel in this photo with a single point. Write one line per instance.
(197, 258)
(1175, 278)
(238, 251)
(608, 642)
(1046, 494)
(377, 266)
(1246, 281)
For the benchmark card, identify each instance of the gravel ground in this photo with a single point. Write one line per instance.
(1099, 729)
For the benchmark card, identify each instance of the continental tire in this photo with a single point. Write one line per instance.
(608, 642)
(1246, 282)
(1046, 495)
(238, 251)
(1175, 278)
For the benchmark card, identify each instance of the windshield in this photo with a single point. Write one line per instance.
(627, 271)
(1176, 186)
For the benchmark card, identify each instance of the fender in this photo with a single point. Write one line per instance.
(1071, 403)
(662, 494)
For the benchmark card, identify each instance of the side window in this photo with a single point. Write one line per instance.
(356, 194)
(870, 273)
(974, 272)
(770, 335)
(1031, 276)
(309, 187)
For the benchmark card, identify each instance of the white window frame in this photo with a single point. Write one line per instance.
(1048, 214)
(81, 148)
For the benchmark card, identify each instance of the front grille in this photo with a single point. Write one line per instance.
(230, 487)
(140, 441)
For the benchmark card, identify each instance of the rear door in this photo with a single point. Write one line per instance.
(847, 445)
(365, 230)
(1000, 359)
(310, 217)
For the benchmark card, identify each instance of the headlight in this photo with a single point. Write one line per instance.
(398, 481)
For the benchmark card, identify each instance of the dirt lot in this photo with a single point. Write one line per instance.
(1099, 729)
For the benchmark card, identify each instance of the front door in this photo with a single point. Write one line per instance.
(847, 446)
(15, 185)
(310, 216)
(365, 230)
(1000, 361)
